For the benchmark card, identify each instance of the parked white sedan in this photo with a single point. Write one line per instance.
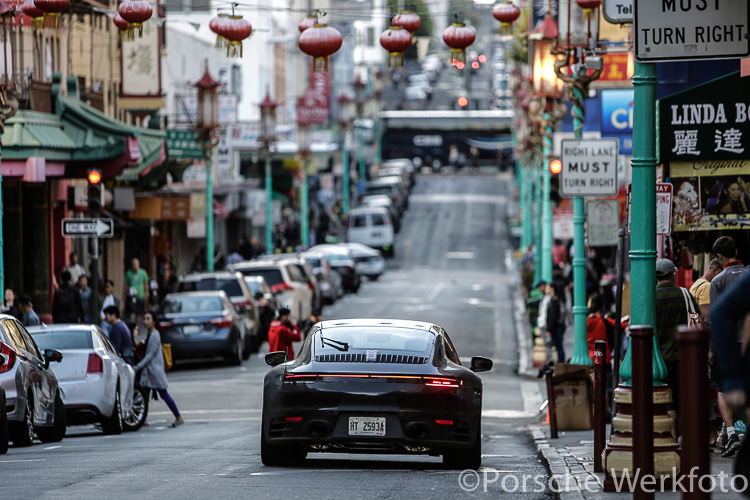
(368, 261)
(96, 383)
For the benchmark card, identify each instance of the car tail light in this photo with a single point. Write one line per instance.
(441, 382)
(311, 285)
(222, 321)
(444, 422)
(242, 304)
(96, 365)
(301, 378)
(163, 325)
(281, 287)
(286, 419)
(10, 355)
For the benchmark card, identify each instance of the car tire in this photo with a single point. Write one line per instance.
(466, 459)
(374, 277)
(22, 433)
(4, 435)
(249, 347)
(235, 357)
(112, 425)
(279, 456)
(139, 411)
(56, 433)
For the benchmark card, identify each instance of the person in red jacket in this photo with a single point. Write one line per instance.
(283, 333)
(598, 327)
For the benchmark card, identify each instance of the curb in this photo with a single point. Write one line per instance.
(520, 315)
(564, 483)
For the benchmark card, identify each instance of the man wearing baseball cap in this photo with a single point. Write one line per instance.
(283, 333)
(29, 318)
(671, 312)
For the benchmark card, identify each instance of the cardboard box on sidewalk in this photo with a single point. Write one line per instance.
(573, 397)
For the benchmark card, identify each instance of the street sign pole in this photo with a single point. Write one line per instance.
(95, 282)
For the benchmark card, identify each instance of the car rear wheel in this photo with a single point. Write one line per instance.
(56, 433)
(466, 459)
(249, 347)
(113, 423)
(279, 456)
(139, 412)
(4, 436)
(22, 433)
(235, 357)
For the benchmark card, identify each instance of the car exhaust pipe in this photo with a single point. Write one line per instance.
(418, 431)
(318, 429)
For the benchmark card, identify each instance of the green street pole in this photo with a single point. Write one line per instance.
(269, 197)
(209, 212)
(580, 345)
(546, 254)
(525, 205)
(643, 227)
(537, 204)
(304, 219)
(362, 172)
(345, 178)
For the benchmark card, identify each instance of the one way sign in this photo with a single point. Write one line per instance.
(88, 228)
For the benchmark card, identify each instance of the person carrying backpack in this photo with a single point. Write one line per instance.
(67, 306)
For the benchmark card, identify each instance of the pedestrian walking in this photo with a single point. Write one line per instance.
(74, 268)
(29, 317)
(110, 299)
(555, 323)
(151, 366)
(701, 289)
(136, 287)
(85, 291)
(119, 334)
(673, 307)
(316, 316)
(67, 306)
(283, 333)
(11, 304)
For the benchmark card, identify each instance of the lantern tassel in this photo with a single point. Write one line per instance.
(395, 59)
(587, 15)
(234, 48)
(52, 20)
(221, 42)
(127, 35)
(135, 29)
(320, 64)
(37, 23)
(458, 55)
(506, 29)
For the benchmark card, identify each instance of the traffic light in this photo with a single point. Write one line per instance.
(475, 65)
(462, 101)
(555, 166)
(95, 192)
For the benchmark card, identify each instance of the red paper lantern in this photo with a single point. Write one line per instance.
(135, 12)
(458, 36)
(307, 22)
(35, 13)
(234, 30)
(216, 24)
(589, 7)
(320, 41)
(507, 13)
(52, 9)
(408, 20)
(121, 24)
(395, 40)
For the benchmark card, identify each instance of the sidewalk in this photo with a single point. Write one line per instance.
(570, 462)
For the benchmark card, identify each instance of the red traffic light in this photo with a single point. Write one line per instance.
(482, 58)
(475, 65)
(462, 101)
(555, 166)
(95, 177)
(459, 65)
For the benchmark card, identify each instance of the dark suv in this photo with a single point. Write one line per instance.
(233, 283)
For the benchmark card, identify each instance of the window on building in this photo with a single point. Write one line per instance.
(370, 36)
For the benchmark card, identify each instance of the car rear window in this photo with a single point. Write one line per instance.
(253, 285)
(371, 190)
(68, 339)
(272, 276)
(377, 338)
(229, 285)
(192, 305)
(359, 221)
(378, 220)
(314, 261)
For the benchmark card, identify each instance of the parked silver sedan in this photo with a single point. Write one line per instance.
(96, 383)
(33, 398)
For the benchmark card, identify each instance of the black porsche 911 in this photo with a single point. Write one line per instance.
(373, 386)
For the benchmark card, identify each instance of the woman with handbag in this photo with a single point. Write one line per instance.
(151, 366)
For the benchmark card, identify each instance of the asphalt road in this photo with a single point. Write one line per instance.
(450, 268)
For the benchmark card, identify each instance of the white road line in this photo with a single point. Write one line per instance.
(435, 292)
(508, 414)
(459, 255)
(496, 321)
(52, 447)
(532, 396)
(15, 461)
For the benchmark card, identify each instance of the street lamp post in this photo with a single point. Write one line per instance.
(346, 116)
(208, 123)
(360, 93)
(267, 137)
(303, 144)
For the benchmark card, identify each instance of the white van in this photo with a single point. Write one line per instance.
(371, 226)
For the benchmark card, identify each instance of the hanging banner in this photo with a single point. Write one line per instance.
(711, 195)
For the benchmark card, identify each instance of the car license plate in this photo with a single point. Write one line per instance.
(376, 234)
(191, 329)
(367, 426)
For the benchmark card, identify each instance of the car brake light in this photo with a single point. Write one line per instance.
(10, 356)
(444, 422)
(311, 285)
(163, 325)
(292, 419)
(221, 322)
(301, 378)
(441, 382)
(281, 287)
(96, 365)
(238, 305)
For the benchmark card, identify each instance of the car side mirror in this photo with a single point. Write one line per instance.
(481, 364)
(276, 358)
(52, 356)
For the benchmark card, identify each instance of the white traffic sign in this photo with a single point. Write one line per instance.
(88, 228)
(602, 222)
(618, 11)
(589, 167)
(663, 208)
(668, 30)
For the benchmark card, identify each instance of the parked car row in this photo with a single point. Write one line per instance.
(89, 383)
